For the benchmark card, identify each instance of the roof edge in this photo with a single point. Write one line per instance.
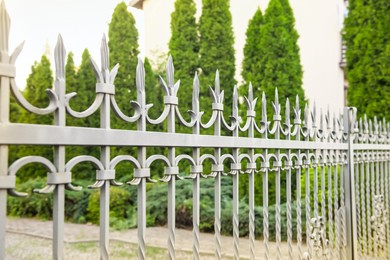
(136, 4)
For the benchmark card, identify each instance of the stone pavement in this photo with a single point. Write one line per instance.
(155, 237)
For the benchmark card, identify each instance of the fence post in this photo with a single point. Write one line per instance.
(349, 184)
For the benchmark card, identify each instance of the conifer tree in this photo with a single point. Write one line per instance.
(38, 81)
(280, 65)
(216, 51)
(251, 61)
(123, 45)
(368, 64)
(184, 48)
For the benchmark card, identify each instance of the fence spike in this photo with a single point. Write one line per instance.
(105, 59)
(235, 102)
(59, 58)
(287, 112)
(276, 104)
(170, 72)
(297, 109)
(366, 130)
(314, 115)
(376, 126)
(217, 86)
(321, 120)
(334, 122)
(5, 27)
(327, 118)
(361, 126)
(140, 81)
(195, 94)
(306, 116)
(250, 92)
(264, 108)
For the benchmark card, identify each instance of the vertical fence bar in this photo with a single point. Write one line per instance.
(358, 216)
(349, 183)
(336, 206)
(251, 174)
(386, 172)
(278, 226)
(288, 183)
(4, 119)
(196, 180)
(364, 238)
(235, 172)
(330, 211)
(265, 167)
(59, 154)
(297, 123)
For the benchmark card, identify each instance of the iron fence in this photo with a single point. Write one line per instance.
(345, 205)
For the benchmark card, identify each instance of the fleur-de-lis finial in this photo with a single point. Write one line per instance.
(195, 94)
(321, 120)
(250, 102)
(297, 111)
(4, 27)
(216, 93)
(59, 58)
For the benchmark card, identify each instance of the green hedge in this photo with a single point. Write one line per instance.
(83, 206)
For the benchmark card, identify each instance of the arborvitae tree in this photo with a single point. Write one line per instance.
(280, 64)
(38, 81)
(86, 91)
(251, 61)
(83, 83)
(279, 67)
(184, 48)
(123, 45)
(368, 67)
(216, 51)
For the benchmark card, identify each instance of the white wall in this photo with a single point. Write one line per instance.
(317, 22)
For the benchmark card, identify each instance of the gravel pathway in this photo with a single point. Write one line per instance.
(32, 238)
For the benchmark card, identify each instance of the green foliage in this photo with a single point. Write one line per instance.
(123, 45)
(38, 81)
(34, 205)
(251, 61)
(184, 48)
(120, 215)
(279, 64)
(368, 56)
(216, 51)
(83, 83)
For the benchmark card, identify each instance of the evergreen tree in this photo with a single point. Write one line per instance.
(279, 55)
(216, 51)
(279, 66)
(184, 48)
(251, 61)
(38, 81)
(123, 45)
(368, 51)
(83, 83)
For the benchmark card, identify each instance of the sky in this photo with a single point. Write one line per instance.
(80, 22)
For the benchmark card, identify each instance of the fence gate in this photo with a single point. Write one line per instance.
(338, 165)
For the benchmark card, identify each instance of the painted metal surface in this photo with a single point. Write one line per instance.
(340, 164)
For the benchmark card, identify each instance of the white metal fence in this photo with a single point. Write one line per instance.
(346, 204)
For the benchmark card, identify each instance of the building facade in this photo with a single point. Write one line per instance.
(318, 22)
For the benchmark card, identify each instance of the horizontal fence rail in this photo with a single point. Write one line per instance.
(336, 168)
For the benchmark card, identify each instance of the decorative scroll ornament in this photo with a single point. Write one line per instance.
(317, 238)
(379, 222)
